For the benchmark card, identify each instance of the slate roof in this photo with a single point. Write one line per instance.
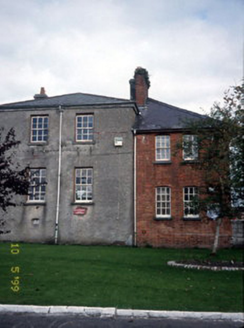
(158, 115)
(74, 99)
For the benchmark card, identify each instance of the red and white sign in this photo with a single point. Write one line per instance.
(80, 210)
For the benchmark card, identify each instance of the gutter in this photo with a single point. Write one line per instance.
(8, 108)
(59, 174)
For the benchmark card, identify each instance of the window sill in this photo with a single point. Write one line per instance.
(38, 143)
(162, 162)
(82, 203)
(92, 142)
(35, 204)
(194, 218)
(163, 219)
(190, 161)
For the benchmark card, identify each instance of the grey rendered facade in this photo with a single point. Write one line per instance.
(107, 217)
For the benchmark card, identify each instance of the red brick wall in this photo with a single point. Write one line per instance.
(141, 90)
(175, 232)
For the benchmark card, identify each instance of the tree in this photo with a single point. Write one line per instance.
(13, 180)
(221, 155)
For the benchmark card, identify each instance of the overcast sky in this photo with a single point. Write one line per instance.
(192, 49)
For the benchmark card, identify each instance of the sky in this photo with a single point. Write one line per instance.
(192, 49)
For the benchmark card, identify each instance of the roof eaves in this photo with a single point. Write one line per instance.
(55, 106)
(162, 130)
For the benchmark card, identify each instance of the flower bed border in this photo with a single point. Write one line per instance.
(203, 267)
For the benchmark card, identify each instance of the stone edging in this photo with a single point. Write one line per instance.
(96, 312)
(203, 267)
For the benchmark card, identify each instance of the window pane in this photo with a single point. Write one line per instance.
(37, 189)
(162, 148)
(84, 127)
(83, 185)
(163, 202)
(190, 202)
(190, 147)
(39, 127)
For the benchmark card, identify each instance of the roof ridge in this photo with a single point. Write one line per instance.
(175, 107)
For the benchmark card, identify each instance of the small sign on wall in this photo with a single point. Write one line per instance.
(118, 141)
(80, 211)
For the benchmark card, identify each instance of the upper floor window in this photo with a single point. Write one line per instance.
(190, 147)
(190, 200)
(84, 127)
(37, 188)
(84, 185)
(163, 202)
(162, 148)
(39, 128)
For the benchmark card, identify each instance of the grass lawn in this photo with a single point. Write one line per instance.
(116, 277)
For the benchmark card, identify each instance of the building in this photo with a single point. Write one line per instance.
(80, 152)
(107, 171)
(166, 180)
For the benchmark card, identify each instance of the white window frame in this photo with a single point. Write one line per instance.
(39, 129)
(84, 185)
(162, 148)
(84, 128)
(192, 147)
(188, 194)
(37, 188)
(163, 202)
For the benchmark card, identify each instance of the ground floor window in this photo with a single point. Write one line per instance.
(83, 185)
(163, 202)
(37, 188)
(190, 200)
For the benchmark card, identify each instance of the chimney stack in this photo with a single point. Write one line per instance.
(41, 95)
(139, 86)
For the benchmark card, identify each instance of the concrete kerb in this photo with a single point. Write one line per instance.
(99, 312)
(24, 309)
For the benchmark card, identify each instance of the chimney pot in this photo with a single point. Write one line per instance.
(41, 95)
(42, 92)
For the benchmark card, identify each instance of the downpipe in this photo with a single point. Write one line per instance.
(59, 175)
(135, 219)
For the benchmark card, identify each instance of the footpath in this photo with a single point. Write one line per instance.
(97, 312)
